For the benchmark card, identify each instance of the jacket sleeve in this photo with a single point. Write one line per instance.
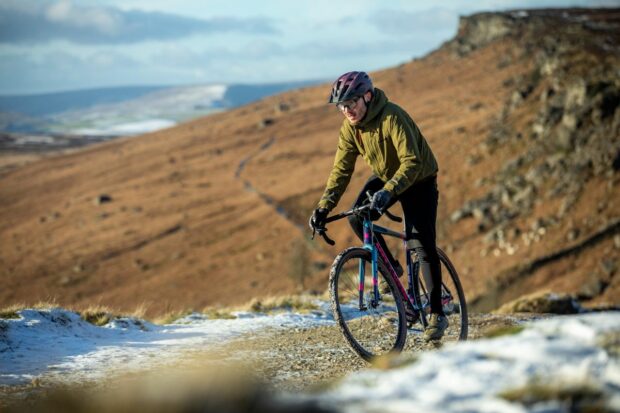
(406, 138)
(340, 176)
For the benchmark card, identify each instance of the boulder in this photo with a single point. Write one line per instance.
(542, 303)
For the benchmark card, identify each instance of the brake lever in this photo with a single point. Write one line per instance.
(327, 239)
(323, 233)
(392, 216)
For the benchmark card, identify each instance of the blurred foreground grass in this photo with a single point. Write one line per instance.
(198, 384)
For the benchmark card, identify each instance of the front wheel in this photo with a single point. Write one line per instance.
(372, 325)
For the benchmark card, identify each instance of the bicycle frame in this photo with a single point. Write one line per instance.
(415, 299)
(371, 244)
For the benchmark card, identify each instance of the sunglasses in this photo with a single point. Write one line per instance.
(349, 104)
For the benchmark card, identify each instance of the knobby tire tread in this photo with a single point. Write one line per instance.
(341, 259)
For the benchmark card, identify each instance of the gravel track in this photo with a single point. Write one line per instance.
(308, 358)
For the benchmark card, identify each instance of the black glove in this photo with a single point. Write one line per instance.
(380, 200)
(317, 220)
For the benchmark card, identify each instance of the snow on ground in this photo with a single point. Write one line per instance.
(154, 111)
(580, 351)
(468, 377)
(58, 344)
(130, 128)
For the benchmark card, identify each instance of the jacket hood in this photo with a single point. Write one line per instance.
(378, 102)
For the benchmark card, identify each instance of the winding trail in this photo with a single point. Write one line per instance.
(280, 210)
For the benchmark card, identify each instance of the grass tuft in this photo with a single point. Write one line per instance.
(504, 331)
(392, 361)
(10, 312)
(45, 305)
(98, 316)
(610, 342)
(284, 303)
(219, 313)
(578, 397)
(172, 316)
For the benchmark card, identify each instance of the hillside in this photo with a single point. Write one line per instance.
(520, 109)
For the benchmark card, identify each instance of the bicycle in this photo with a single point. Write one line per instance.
(374, 314)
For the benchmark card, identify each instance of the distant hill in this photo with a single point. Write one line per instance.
(126, 110)
(45, 104)
(241, 94)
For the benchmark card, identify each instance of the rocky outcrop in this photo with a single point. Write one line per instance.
(481, 29)
(542, 303)
(574, 136)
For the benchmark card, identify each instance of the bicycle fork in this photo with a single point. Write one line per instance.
(368, 244)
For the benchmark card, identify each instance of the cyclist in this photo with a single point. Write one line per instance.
(404, 169)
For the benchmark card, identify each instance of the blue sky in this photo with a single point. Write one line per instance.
(53, 45)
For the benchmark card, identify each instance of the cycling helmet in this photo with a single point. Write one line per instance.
(349, 86)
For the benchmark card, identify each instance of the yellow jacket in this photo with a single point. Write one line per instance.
(390, 143)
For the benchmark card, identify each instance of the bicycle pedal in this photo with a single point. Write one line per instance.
(412, 317)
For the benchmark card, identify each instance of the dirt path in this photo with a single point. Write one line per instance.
(306, 358)
(299, 359)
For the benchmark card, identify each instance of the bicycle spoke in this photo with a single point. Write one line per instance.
(376, 326)
(452, 300)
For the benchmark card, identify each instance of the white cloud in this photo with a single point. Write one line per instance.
(47, 20)
(65, 12)
(119, 42)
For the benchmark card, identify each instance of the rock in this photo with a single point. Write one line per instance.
(508, 82)
(564, 138)
(541, 303)
(480, 29)
(573, 234)
(282, 107)
(140, 264)
(458, 215)
(536, 175)
(480, 182)
(265, 122)
(103, 199)
(591, 289)
(608, 266)
(616, 162)
(575, 94)
(320, 265)
(474, 159)
(610, 102)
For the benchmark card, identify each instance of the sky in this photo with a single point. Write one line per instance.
(57, 45)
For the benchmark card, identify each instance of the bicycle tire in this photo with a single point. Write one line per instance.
(380, 328)
(455, 310)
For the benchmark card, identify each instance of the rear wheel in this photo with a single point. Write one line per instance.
(372, 327)
(452, 298)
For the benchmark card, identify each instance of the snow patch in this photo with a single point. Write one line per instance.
(461, 377)
(131, 128)
(471, 376)
(58, 344)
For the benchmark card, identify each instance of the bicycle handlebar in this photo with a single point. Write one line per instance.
(354, 211)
